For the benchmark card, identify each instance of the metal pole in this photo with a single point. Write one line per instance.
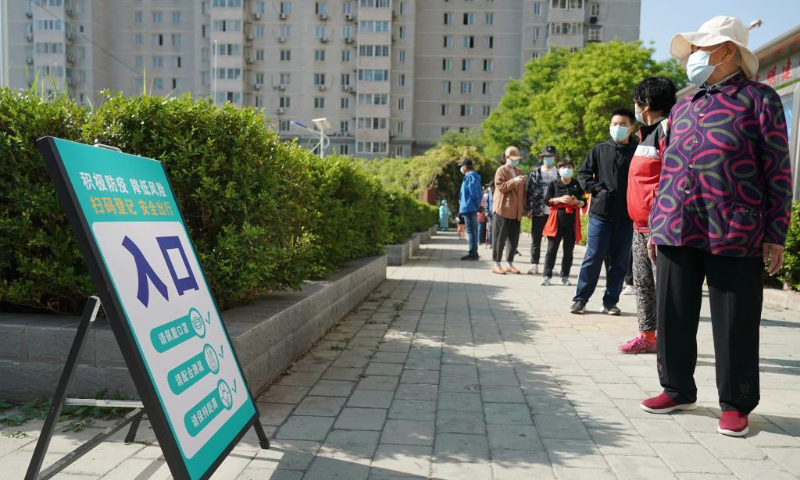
(89, 314)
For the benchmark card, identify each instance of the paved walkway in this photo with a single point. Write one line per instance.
(452, 373)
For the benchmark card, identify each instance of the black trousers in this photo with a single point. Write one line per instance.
(629, 275)
(567, 234)
(537, 227)
(735, 288)
(504, 230)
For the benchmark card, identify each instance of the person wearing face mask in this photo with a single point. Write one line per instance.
(653, 99)
(535, 207)
(722, 211)
(444, 216)
(509, 206)
(604, 174)
(470, 200)
(565, 198)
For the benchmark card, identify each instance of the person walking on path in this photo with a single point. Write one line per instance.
(509, 205)
(444, 216)
(565, 198)
(470, 200)
(604, 174)
(536, 208)
(721, 213)
(653, 99)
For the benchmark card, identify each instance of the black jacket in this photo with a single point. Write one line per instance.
(604, 174)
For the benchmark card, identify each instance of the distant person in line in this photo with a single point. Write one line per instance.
(460, 227)
(721, 212)
(604, 174)
(509, 205)
(469, 203)
(629, 290)
(444, 216)
(482, 219)
(565, 199)
(488, 198)
(653, 99)
(536, 208)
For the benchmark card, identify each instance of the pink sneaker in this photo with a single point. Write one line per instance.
(664, 404)
(733, 424)
(639, 344)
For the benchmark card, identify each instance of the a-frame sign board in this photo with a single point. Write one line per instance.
(131, 233)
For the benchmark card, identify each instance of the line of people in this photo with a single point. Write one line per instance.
(701, 193)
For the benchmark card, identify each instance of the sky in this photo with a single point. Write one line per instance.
(661, 19)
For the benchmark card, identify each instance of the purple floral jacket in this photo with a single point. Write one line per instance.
(726, 180)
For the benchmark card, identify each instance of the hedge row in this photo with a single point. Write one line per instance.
(264, 214)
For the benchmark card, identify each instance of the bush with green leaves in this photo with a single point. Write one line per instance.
(263, 214)
(791, 270)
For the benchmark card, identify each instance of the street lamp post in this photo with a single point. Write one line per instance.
(322, 124)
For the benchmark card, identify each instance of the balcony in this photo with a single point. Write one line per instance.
(567, 15)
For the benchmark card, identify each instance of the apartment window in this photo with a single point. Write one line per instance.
(401, 80)
(345, 102)
(158, 39)
(176, 61)
(320, 31)
(488, 42)
(399, 150)
(286, 31)
(489, 19)
(345, 79)
(466, 87)
(403, 9)
(319, 102)
(55, 25)
(259, 101)
(401, 103)
(285, 8)
(373, 50)
(537, 9)
(373, 26)
(445, 110)
(402, 32)
(373, 98)
(466, 64)
(401, 56)
(137, 38)
(448, 41)
(81, 53)
(137, 17)
(594, 10)
(260, 55)
(158, 17)
(176, 17)
(373, 123)
(373, 75)
(319, 79)
(570, 4)
(176, 39)
(488, 65)
(319, 55)
(345, 55)
(595, 33)
(446, 86)
(344, 127)
(536, 55)
(284, 125)
(372, 147)
(321, 8)
(176, 84)
(286, 55)
(347, 31)
(469, 19)
(138, 61)
(259, 78)
(285, 102)
(347, 8)
(469, 41)
(260, 31)
(535, 34)
(487, 88)
(285, 78)
(158, 83)
(466, 110)
(261, 7)
(487, 110)
(344, 149)
(448, 18)
(446, 64)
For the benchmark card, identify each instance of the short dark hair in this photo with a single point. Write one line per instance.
(624, 112)
(566, 161)
(656, 92)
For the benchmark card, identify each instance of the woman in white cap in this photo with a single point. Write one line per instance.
(722, 210)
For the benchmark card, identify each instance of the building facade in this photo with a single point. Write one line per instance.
(391, 76)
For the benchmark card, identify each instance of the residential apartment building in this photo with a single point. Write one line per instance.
(391, 76)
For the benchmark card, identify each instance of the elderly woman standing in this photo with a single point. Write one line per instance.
(721, 212)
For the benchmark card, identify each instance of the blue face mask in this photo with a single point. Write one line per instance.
(565, 172)
(619, 133)
(549, 160)
(639, 117)
(513, 163)
(697, 68)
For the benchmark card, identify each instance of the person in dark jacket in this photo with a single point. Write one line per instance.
(565, 198)
(535, 207)
(604, 174)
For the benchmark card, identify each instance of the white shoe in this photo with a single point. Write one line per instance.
(629, 290)
(565, 281)
(534, 270)
(545, 282)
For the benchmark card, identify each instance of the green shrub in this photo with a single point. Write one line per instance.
(791, 270)
(263, 214)
(40, 265)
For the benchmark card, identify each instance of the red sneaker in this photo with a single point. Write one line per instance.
(639, 344)
(664, 404)
(733, 424)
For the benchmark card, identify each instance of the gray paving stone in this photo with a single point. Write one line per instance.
(408, 432)
(413, 410)
(660, 428)
(451, 470)
(637, 468)
(305, 428)
(342, 373)
(320, 406)
(429, 377)
(459, 384)
(401, 460)
(502, 395)
(514, 437)
(370, 399)
(384, 369)
(378, 383)
(332, 388)
(455, 370)
(564, 427)
(289, 454)
(350, 446)
(465, 402)
(521, 465)
(507, 413)
(461, 448)
(412, 391)
(283, 394)
(724, 447)
(677, 456)
(455, 421)
(574, 453)
(361, 419)
(323, 468)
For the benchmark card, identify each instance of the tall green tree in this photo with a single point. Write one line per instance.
(566, 98)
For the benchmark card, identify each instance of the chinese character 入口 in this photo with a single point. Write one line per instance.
(144, 273)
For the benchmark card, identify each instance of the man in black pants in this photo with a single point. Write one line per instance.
(535, 207)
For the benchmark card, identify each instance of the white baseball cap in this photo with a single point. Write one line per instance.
(719, 29)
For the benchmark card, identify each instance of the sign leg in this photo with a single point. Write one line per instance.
(131, 436)
(89, 314)
(263, 440)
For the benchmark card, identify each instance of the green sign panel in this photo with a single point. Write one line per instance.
(155, 294)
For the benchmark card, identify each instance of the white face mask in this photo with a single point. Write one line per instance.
(565, 172)
(513, 163)
(697, 68)
(463, 170)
